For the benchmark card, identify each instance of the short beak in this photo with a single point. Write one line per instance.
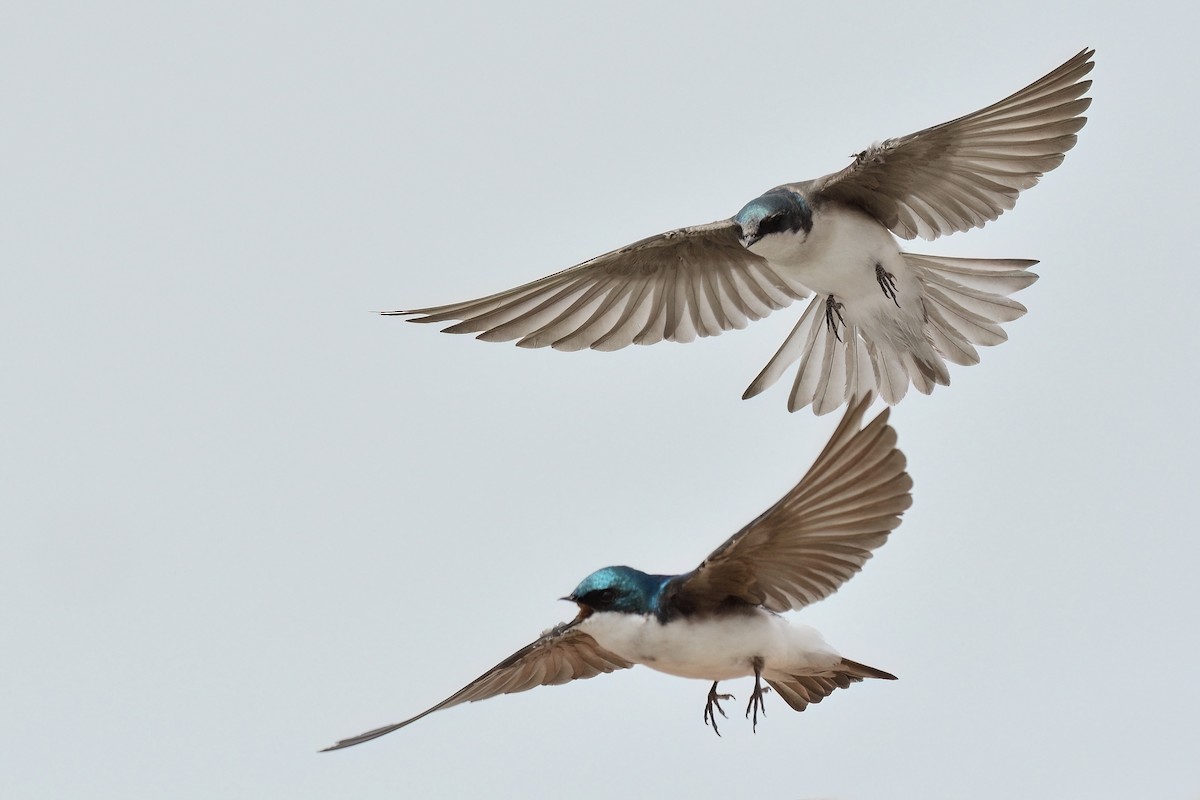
(584, 611)
(747, 241)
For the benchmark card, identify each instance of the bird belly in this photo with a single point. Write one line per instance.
(715, 648)
(838, 256)
(852, 258)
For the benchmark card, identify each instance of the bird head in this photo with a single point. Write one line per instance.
(777, 211)
(624, 590)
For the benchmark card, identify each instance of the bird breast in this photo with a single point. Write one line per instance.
(839, 254)
(715, 648)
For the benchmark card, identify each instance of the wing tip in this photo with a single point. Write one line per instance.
(343, 744)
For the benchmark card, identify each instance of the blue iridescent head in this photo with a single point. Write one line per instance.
(777, 210)
(621, 589)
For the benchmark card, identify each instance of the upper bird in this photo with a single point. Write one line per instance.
(906, 314)
(721, 620)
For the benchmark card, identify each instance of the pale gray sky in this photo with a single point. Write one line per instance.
(244, 517)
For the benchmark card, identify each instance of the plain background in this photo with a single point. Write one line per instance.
(244, 517)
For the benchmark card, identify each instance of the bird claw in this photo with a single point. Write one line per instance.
(887, 282)
(756, 699)
(714, 701)
(834, 309)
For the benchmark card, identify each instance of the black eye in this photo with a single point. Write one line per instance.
(771, 224)
(601, 598)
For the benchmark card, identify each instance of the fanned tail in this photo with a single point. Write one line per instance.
(835, 367)
(841, 361)
(965, 300)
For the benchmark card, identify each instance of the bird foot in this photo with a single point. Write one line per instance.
(834, 309)
(756, 699)
(714, 701)
(887, 282)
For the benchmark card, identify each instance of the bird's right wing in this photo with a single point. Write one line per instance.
(819, 534)
(559, 655)
(690, 282)
(964, 173)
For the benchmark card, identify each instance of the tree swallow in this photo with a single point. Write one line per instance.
(722, 620)
(880, 317)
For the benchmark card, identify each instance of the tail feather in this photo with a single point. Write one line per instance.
(860, 671)
(923, 365)
(837, 366)
(823, 378)
(797, 343)
(965, 302)
(798, 691)
(858, 366)
(891, 370)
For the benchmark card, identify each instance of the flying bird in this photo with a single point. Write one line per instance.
(879, 317)
(722, 620)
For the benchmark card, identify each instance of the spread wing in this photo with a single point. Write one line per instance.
(559, 655)
(685, 283)
(964, 173)
(820, 534)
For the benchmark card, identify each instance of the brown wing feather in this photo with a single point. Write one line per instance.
(819, 534)
(690, 282)
(559, 655)
(964, 173)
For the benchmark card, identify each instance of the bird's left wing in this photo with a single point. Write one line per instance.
(964, 173)
(819, 534)
(559, 655)
(678, 285)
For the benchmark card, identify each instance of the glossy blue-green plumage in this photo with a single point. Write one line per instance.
(633, 591)
(780, 208)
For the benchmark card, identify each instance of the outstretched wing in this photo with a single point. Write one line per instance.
(822, 532)
(964, 173)
(690, 282)
(559, 655)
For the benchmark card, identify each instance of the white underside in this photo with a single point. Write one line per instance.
(838, 258)
(715, 649)
(881, 315)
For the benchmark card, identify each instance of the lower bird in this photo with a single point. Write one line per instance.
(722, 620)
(880, 317)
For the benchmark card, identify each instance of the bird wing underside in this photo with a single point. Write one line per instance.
(964, 173)
(696, 281)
